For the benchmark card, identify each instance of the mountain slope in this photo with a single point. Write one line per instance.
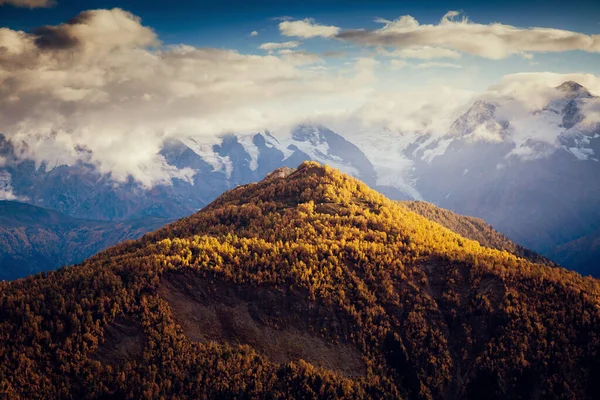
(472, 228)
(305, 285)
(34, 239)
(582, 254)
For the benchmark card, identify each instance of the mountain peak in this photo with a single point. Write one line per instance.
(308, 133)
(279, 173)
(573, 89)
(481, 113)
(311, 181)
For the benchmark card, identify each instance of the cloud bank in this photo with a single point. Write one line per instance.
(493, 41)
(101, 89)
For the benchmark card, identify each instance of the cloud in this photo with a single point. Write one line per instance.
(535, 89)
(97, 31)
(29, 3)
(307, 28)
(493, 41)
(397, 64)
(422, 53)
(254, 33)
(437, 65)
(101, 89)
(334, 53)
(299, 57)
(429, 109)
(276, 46)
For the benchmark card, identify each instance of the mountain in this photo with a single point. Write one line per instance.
(530, 171)
(474, 229)
(307, 284)
(533, 176)
(218, 164)
(34, 239)
(582, 254)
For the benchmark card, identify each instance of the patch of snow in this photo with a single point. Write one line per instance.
(228, 166)
(316, 148)
(272, 142)
(581, 153)
(206, 151)
(385, 149)
(248, 142)
(440, 149)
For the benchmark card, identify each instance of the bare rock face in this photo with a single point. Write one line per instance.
(283, 326)
(282, 172)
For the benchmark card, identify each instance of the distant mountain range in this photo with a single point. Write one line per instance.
(532, 175)
(34, 239)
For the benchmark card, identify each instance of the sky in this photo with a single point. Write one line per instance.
(92, 81)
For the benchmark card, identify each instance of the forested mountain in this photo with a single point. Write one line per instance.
(35, 239)
(532, 174)
(307, 284)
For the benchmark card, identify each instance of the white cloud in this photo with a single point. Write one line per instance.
(307, 28)
(101, 89)
(535, 89)
(430, 109)
(494, 41)
(299, 57)
(276, 46)
(437, 65)
(28, 3)
(254, 33)
(397, 64)
(422, 53)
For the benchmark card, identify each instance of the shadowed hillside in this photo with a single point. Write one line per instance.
(35, 239)
(582, 254)
(307, 284)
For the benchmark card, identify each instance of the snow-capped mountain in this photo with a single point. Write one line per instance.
(531, 172)
(218, 164)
